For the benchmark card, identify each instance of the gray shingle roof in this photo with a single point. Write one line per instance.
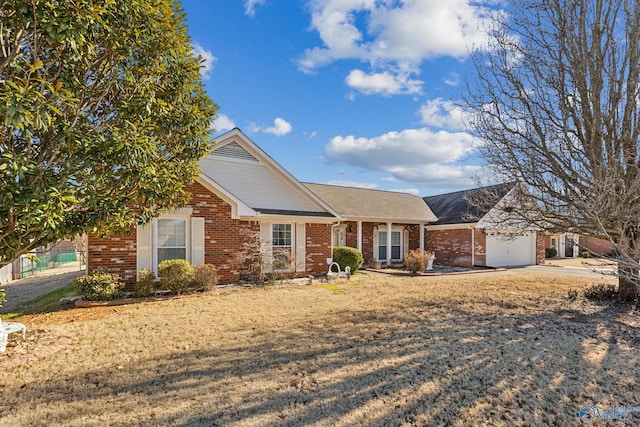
(376, 205)
(455, 208)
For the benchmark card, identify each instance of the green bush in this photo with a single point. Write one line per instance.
(205, 276)
(99, 286)
(346, 256)
(416, 260)
(175, 275)
(585, 254)
(145, 286)
(550, 252)
(3, 298)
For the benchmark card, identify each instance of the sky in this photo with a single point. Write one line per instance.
(362, 93)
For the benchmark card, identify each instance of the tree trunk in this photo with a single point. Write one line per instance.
(627, 283)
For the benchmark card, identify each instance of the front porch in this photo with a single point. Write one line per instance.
(383, 242)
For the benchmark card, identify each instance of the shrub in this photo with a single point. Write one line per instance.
(601, 292)
(205, 276)
(346, 256)
(99, 286)
(3, 298)
(416, 260)
(175, 275)
(585, 254)
(145, 286)
(550, 252)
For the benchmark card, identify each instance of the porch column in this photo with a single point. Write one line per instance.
(421, 237)
(388, 243)
(359, 243)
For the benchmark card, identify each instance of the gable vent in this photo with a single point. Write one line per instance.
(235, 151)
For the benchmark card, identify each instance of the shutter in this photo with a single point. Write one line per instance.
(301, 243)
(197, 241)
(144, 247)
(405, 241)
(376, 236)
(265, 247)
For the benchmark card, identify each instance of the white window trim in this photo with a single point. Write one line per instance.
(293, 246)
(395, 228)
(154, 246)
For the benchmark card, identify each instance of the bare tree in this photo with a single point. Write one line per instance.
(556, 101)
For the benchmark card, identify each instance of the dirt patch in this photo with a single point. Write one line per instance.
(491, 349)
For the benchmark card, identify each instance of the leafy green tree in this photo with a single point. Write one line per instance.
(104, 117)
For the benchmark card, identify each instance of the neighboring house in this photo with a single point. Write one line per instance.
(242, 196)
(595, 245)
(466, 235)
(383, 225)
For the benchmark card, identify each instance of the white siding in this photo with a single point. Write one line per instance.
(256, 185)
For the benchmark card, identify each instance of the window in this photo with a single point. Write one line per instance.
(172, 239)
(281, 238)
(396, 245)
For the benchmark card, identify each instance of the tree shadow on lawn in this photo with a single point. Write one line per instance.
(439, 364)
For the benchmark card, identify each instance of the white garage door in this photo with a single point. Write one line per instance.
(505, 250)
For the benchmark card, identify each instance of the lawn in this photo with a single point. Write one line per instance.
(483, 349)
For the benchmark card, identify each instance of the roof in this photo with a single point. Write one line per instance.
(377, 205)
(255, 183)
(458, 207)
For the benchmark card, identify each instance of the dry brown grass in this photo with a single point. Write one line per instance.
(486, 349)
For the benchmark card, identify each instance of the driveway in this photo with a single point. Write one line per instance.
(32, 287)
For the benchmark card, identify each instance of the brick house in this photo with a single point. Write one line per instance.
(468, 235)
(383, 225)
(242, 196)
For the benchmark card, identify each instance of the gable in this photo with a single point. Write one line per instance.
(241, 168)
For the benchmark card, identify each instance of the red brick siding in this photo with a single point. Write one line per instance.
(318, 248)
(224, 238)
(595, 245)
(453, 246)
(116, 255)
(541, 244)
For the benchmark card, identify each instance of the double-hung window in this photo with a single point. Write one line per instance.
(171, 239)
(396, 245)
(282, 246)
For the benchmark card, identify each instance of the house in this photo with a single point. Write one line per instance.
(471, 234)
(383, 225)
(243, 205)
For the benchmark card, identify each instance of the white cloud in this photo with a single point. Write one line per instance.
(250, 7)
(453, 79)
(280, 127)
(207, 60)
(367, 185)
(413, 155)
(394, 36)
(413, 191)
(223, 123)
(442, 114)
(385, 83)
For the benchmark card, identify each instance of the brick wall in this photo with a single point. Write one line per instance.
(318, 248)
(453, 246)
(116, 255)
(595, 245)
(541, 245)
(225, 238)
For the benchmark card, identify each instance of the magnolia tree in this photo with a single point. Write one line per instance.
(104, 117)
(556, 101)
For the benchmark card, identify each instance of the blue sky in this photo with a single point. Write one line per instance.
(346, 92)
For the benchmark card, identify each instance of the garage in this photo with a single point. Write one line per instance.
(507, 249)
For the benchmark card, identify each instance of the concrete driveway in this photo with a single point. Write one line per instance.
(32, 287)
